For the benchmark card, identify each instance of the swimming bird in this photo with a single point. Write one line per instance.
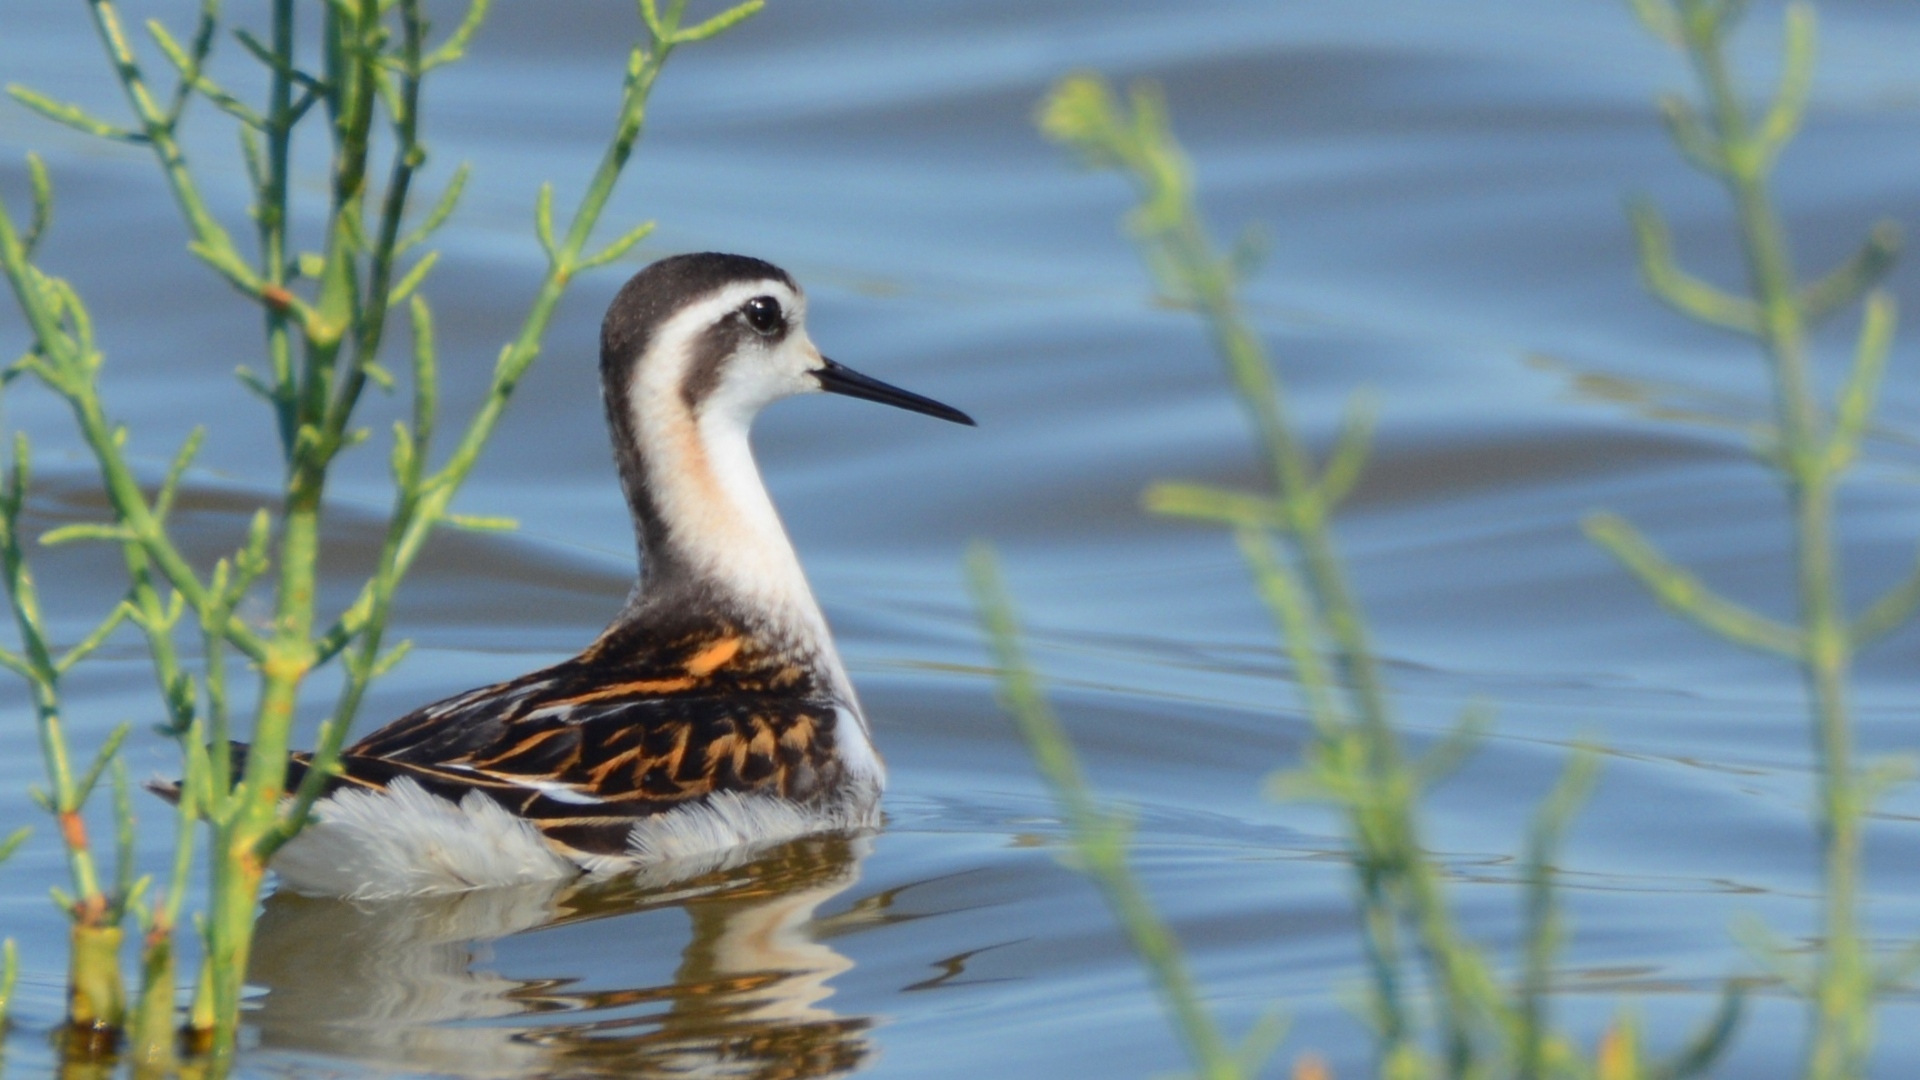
(713, 712)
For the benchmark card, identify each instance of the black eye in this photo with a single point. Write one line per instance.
(764, 315)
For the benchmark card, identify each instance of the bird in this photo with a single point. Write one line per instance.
(713, 713)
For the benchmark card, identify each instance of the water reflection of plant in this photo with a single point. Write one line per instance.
(1809, 447)
(325, 315)
(1472, 1025)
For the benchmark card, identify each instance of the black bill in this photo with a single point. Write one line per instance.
(835, 379)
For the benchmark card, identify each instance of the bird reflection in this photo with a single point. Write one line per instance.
(396, 982)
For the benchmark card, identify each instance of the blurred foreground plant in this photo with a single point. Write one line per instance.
(1808, 447)
(325, 313)
(1100, 839)
(1356, 762)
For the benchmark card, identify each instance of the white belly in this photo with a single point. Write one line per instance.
(407, 842)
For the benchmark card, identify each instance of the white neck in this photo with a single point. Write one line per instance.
(719, 519)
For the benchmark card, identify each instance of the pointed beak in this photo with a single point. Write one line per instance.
(836, 379)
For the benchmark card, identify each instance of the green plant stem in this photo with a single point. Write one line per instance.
(1099, 837)
(150, 1030)
(9, 977)
(68, 365)
(96, 994)
(270, 212)
(1812, 448)
(438, 489)
(157, 129)
(132, 509)
(1356, 761)
(1291, 472)
(372, 325)
(1840, 1035)
(240, 861)
(1382, 861)
(36, 664)
(96, 1000)
(1543, 931)
(1391, 862)
(314, 386)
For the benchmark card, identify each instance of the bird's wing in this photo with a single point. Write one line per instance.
(584, 749)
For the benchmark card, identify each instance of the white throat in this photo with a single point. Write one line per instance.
(719, 517)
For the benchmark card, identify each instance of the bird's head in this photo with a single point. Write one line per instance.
(715, 338)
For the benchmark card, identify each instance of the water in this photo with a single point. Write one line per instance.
(1441, 185)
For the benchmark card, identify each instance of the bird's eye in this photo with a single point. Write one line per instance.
(764, 315)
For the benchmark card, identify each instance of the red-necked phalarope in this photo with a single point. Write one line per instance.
(713, 712)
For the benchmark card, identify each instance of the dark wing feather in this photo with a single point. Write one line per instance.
(587, 747)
